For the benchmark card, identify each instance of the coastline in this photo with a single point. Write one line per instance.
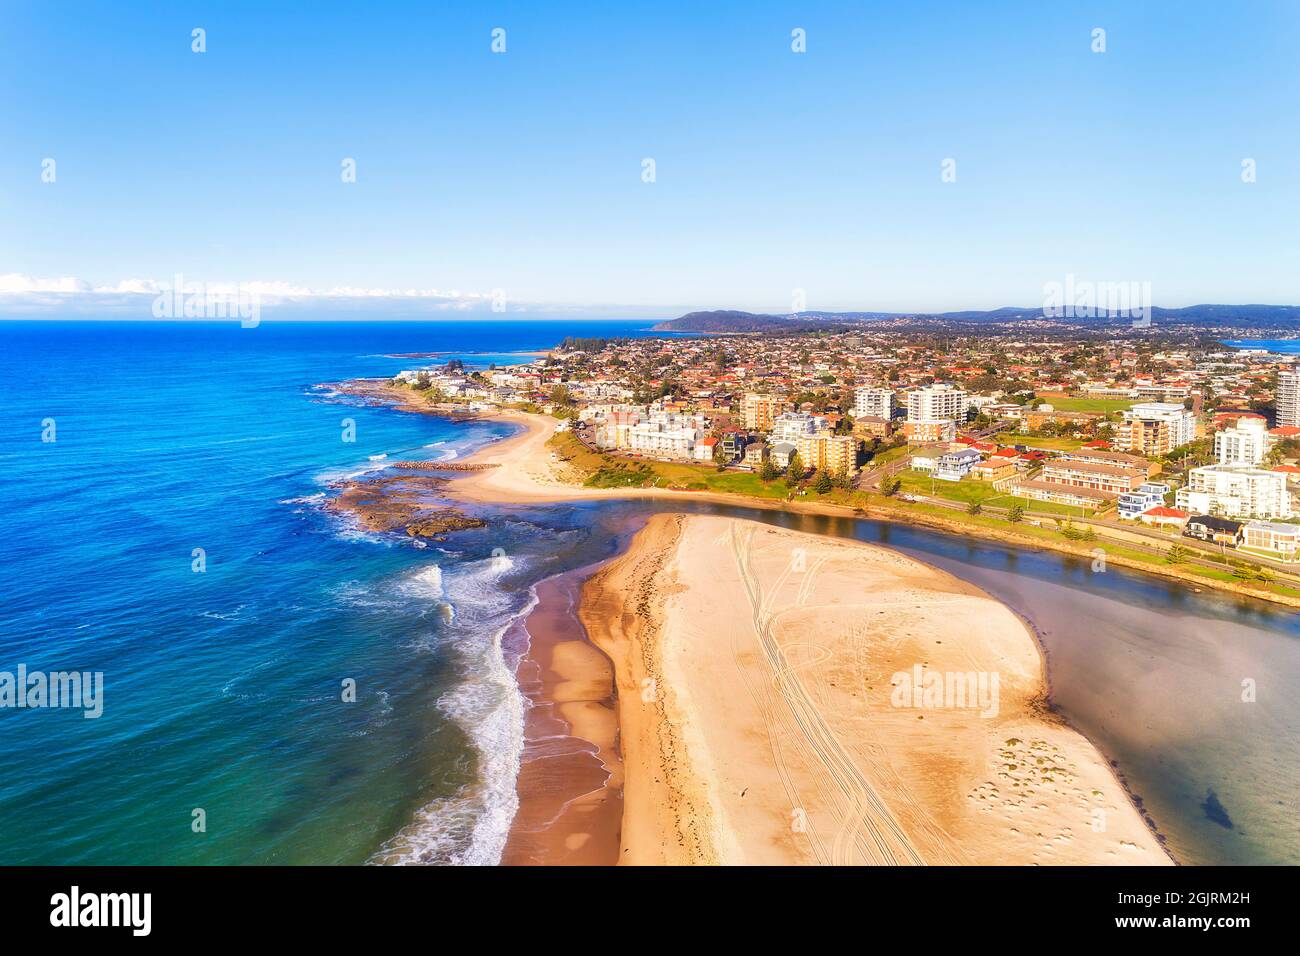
(570, 772)
(523, 471)
(520, 468)
(717, 775)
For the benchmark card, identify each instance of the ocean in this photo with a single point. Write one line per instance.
(223, 687)
(172, 536)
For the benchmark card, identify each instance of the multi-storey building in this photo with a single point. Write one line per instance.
(933, 413)
(1155, 428)
(1100, 456)
(1272, 537)
(871, 402)
(791, 426)
(1148, 495)
(1237, 491)
(937, 402)
(760, 411)
(1081, 474)
(924, 433)
(1288, 397)
(652, 438)
(824, 451)
(1245, 443)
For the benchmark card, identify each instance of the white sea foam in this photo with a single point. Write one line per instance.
(447, 454)
(471, 828)
(349, 472)
(315, 499)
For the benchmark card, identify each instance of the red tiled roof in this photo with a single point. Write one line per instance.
(1160, 511)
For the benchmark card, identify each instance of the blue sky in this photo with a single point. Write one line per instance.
(775, 171)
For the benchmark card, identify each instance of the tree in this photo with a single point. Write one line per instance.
(767, 471)
(1016, 513)
(1177, 554)
(560, 395)
(974, 508)
(891, 486)
(823, 483)
(795, 468)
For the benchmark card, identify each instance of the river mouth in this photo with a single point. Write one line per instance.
(1159, 676)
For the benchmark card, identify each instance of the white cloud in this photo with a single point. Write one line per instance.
(15, 285)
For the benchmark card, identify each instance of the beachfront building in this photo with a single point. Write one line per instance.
(1244, 443)
(956, 465)
(652, 438)
(871, 402)
(1081, 474)
(1273, 538)
(994, 469)
(1237, 491)
(1148, 495)
(760, 411)
(1288, 398)
(824, 451)
(1214, 529)
(791, 426)
(1117, 459)
(1062, 494)
(704, 448)
(780, 454)
(1155, 428)
(1163, 517)
(755, 453)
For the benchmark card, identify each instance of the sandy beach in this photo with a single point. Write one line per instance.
(571, 775)
(765, 714)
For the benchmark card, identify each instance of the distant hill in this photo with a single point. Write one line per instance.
(729, 320)
(1224, 316)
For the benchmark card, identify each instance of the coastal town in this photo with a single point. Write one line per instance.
(1168, 452)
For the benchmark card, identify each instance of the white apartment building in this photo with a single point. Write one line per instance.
(1245, 443)
(791, 426)
(937, 403)
(873, 403)
(1235, 491)
(1155, 428)
(1288, 397)
(651, 438)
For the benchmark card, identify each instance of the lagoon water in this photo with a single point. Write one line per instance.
(223, 687)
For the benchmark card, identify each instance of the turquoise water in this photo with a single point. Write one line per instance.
(223, 688)
(1281, 346)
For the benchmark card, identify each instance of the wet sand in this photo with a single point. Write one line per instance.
(570, 775)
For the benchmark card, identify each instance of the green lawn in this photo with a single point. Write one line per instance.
(886, 456)
(613, 471)
(1081, 404)
(1048, 444)
(968, 490)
